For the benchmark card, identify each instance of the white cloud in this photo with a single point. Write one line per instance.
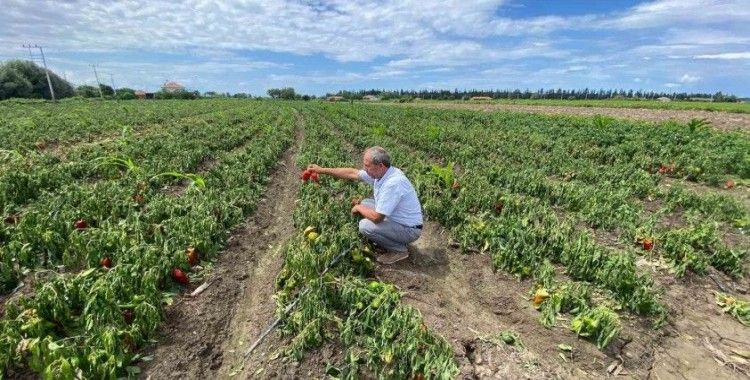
(671, 85)
(540, 25)
(343, 30)
(687, 78)
(667, 13)
(739, 55)
(462, 43)
(704, 36)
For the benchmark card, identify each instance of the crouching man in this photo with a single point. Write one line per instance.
(393, 218)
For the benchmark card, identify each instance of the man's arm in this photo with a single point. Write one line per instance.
(340, 173)
(368, 213)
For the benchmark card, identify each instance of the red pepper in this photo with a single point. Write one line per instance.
(648, 244)
(179, 276)
(105, 262)
(81, 224)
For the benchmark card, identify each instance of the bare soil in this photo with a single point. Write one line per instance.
(720, 120)
(702, 341)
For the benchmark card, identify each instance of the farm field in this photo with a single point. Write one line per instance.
(737, 120)
(630, 103)
(555, 246)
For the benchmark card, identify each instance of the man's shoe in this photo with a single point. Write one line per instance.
(392, 257)
(378, 249)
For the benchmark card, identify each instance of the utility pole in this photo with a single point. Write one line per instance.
(46, 71)
(31, 56)
(98, 84)
(112, 80)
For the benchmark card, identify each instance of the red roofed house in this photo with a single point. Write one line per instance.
(140, 94)
(172, 87)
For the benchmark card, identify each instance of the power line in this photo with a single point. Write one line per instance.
(46, 70)
(31, 56)
(98, 84)
(114, 90)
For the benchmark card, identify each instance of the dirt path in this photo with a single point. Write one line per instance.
(720, 120)
(702, 341)
(256, 309)
(197, 338)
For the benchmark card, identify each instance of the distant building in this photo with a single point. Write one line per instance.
(335, 99)
(664, 99)
(172, 87)
(480, 98)
(140, 94)
(370, 98)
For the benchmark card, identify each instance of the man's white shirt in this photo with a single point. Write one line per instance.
(395, 197)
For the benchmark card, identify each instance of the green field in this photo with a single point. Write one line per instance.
(102, 202)
(624, 103)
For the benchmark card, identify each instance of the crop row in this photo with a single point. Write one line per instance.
(37, 125)
(27, 175)
(380, 335)
(89, 316)
(611, 204)
(521, 233)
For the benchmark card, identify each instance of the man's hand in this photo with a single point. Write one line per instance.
(368, 213)
(356, 201)
(314, 168)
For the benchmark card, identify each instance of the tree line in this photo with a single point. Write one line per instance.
(541, 93)
(26, 79)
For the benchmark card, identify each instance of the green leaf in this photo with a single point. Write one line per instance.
(52, 346)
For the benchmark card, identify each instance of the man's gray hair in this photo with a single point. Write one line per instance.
(378, 155)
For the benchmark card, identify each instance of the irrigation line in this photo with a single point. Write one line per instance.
(293, 304)
(721, 286)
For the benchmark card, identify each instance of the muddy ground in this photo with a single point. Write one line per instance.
(460, 297)
(720, 120)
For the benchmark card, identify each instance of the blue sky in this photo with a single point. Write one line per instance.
(325, 46)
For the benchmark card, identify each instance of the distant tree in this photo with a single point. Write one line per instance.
(25, 79)
(125, 93)
(87, 91)
(107, 90)
(274, 92)
(14, 84)
(182, 94)
(286, 93)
